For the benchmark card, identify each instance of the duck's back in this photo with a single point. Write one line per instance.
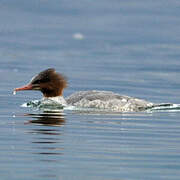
(107, 100)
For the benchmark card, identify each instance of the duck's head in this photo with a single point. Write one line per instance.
(49, 82)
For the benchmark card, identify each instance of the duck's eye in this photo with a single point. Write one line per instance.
(37, 82)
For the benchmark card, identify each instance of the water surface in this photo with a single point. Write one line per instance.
(131, 48)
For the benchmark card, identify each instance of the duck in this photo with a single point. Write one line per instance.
(52, 85)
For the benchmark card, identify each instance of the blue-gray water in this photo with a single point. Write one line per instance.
(129, 47)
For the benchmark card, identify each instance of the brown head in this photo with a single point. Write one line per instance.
(49, 82)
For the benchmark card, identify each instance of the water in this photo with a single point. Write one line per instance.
(130, 48)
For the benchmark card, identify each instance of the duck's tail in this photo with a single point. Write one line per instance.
(164, 107)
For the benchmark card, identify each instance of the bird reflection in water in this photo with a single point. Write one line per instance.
(47, 118)
(47, 135)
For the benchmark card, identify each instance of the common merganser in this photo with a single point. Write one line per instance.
(52, 84)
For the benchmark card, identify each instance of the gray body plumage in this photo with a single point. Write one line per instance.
(107, 100)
